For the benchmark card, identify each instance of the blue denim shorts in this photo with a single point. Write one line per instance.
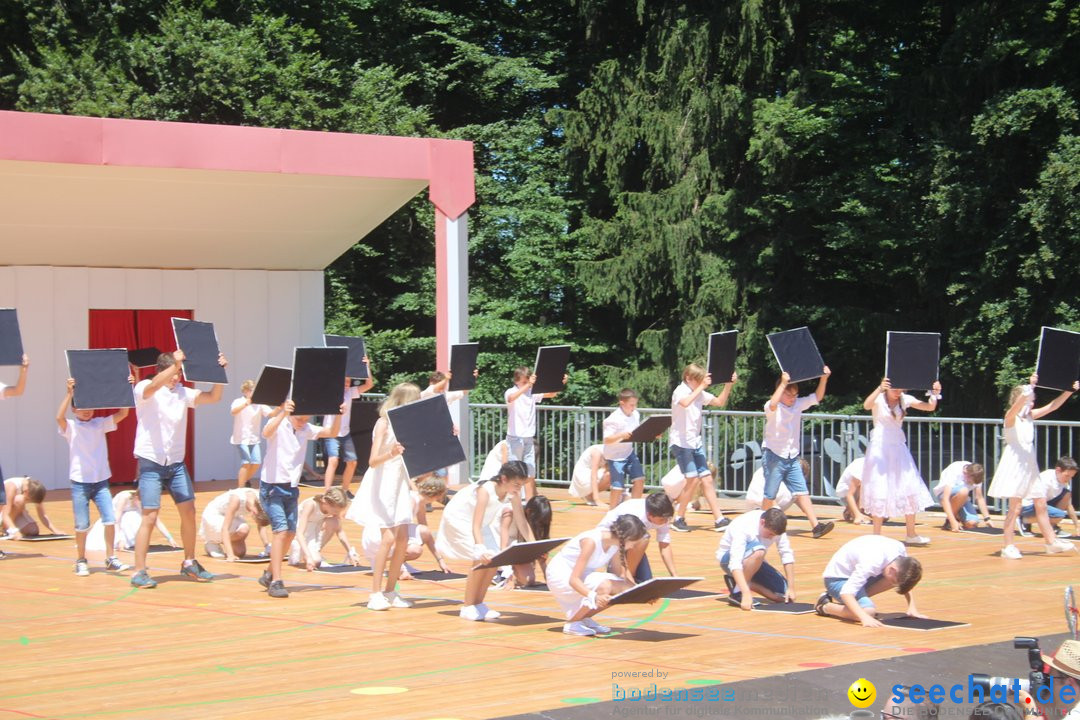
(692, 462)
(968, 512)
(81, 496)
(1053, 511)
(523, 449)
(250, 454)
(280, 503)
(629, 468)
(782, 470)
(341, 447)
(834, 585)
(154, 478)
(767, 576)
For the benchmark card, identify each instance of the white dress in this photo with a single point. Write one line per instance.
(561, 568)
(581, 482)
(891, 484)
(1017, 473)
(213, 516)
(455, 538)
(313, 531)
(493, 462)
(383, 498)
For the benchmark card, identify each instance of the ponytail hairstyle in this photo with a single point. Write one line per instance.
(626, 528)
(258, 514)
(538, 515)
(334, 497)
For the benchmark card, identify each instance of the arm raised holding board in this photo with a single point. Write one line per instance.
(521, 402)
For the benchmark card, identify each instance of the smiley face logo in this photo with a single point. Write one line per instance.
(862, 693)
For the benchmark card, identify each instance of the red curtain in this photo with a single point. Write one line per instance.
(134, 329)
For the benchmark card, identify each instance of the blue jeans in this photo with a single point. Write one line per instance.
(833, 586)
(280, 503)
(692, 462)
(154, 478)
(629, 468)
(644, 570)
(782, 470)
(250, 454)
(767, 576)
(341, 447)
(82, 494)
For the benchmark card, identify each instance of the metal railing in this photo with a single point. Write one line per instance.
(733, 442)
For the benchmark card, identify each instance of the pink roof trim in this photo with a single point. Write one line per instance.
(447, 165)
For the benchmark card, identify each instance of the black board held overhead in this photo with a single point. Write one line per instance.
(1058, 366)
(426, 430)
(11, 347)
(721, 362)
(797, 354)
(144, 357)
(200, 345)
(463, 365)
(318, 380)
(551, 364)
(911, 359)
(355, 367)
(101, 379)
(272, 387)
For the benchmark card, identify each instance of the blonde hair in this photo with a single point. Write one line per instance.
(248, 385)
(694, 372)
(1014, 394)
(35, 491)
(334, 497)
(432, 486)
(258, 514)
(402, 394)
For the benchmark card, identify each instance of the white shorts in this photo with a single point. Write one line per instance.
(570, 599)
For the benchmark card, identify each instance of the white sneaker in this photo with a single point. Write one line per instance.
(82, 568)
(578, 628)
(398, 601)
(1011, 552)
(378, 601)
(215, 550)
(487, 613)
(470, 612)
(917, 540)
(1063, 533)
(600, 629)
(113, 563)
(1059, 546)
(409, 568)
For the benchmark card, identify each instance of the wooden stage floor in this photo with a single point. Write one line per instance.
(94, 647)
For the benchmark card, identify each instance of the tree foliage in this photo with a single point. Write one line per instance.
(651, 172)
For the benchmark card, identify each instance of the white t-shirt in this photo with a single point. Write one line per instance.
(686, 421)
(247, 424)
(285, 452)
(860, 559)
(636, 507)
(746, 528)
(88, 455)
(783, 428)
(161, 433)
(952, 477)
(451, 396)
(617, 423)
(351, 393)
(853, 471)
(1048, 486)
(522, 420)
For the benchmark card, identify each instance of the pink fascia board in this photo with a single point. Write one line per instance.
(447, 165)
